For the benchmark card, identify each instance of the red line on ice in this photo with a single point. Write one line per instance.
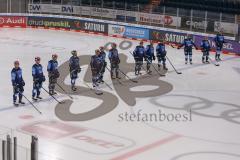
(146, 147)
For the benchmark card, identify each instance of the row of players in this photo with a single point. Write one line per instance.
(98, 64)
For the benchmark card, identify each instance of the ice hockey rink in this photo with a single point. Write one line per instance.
(91, 127)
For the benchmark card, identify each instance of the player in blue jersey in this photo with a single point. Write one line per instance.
(103, 56)
(114, 59)
(219, 41)
(38, 79)
(74, 68)
(205, 47)
(139, 55)
(53, 73)
(188, 46)
(149, 56)
(17, 83)
(96, 64)
(161, 55)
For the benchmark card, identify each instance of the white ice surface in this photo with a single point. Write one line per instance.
(212, 92)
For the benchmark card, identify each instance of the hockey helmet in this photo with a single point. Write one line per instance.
(54, 56)
(37, 58)
(16, 62)
(151, 42)
(97, 51)
(74, 52)
(114, 45)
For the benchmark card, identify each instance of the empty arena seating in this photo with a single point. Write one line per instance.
(229, 6)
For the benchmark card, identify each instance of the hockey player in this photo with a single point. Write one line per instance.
(219, 41)
(96, 65)
(74, 67)
(161, 55)
(139, 54)
(38, 79)
(188, 45)
(206, 47)
(114, 60)
(103, 56)
(149, 56)
(17, 83)
(53, 74)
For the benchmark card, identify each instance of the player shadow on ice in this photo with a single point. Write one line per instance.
(109, 100)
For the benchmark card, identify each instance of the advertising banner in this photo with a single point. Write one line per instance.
(82, 10)
(48, 8)
(94, 26)
(159, 19)
(197, 24)
(127, 16)
(238, 36)
(103, 12)
(49, 22)
(116, 30)
(44, 8)
(231, 46)
(134, 32)
(68, 9)
(226, 27)
(68, 23)
(13, 21)
(171, 37)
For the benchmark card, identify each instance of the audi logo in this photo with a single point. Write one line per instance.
(2, 20)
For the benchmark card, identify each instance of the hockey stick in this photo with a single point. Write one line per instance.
(87, 85)
(134, 81)
(173, 66)
(64, 91)
(162, 75)
(83, 81)
(108, 85)
(53, 96)
(110, 73)
(216, 64)
(124, 75)
(32, 104)
(142, 66)
(151, 65)
(100, 74)
(172, 46)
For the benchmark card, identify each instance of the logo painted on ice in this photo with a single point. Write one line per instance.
(109, 100)
(80, 138)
